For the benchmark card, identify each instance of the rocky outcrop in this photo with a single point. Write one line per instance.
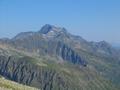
(22, 71)
(68, 54)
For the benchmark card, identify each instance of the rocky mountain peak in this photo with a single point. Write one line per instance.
(52, 30)
(47, 31)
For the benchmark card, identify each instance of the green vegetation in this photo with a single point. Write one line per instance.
(10, 85)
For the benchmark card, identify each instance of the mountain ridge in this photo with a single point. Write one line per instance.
(62, 34)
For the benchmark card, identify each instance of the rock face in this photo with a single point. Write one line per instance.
(20, 70)
(51, 48)
(46, 29)
(68, 54)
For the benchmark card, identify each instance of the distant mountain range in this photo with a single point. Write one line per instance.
(116, 45)
(54, 59)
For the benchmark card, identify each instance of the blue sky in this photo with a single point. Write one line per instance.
(94, 20)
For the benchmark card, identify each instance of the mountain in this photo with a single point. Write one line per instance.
(54, 59)
(116, 45)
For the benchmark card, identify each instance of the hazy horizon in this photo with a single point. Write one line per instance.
(91, 19)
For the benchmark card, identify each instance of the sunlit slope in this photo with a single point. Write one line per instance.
(10, 85)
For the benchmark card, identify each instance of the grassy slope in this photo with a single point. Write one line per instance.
(106, 66)
(79, 78)
(10, 85)
(83, 78)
